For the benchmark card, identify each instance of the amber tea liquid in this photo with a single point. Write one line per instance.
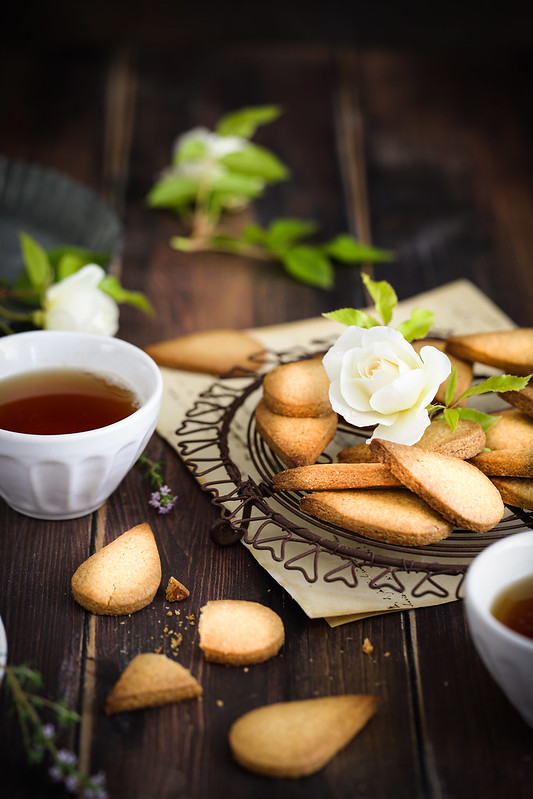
(56, 401)
(514, 606)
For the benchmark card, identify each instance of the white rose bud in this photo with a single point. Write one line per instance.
(76, 303)
(378, 378)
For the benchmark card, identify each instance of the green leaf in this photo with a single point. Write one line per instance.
(500, 383)
(452, 417)
(347, 249)
(383, 295)
(351, 316)
(253, 234)
(245, 121)
(56, 254)
(486, 420)
(189, 150)
(308, 265)
(284, 233)
(257, 162)
(417, 325)
(181, 243)
(111, 285)
(68, 265)
(36, 263)
(172, 191)
(450, 386)
(233, 183)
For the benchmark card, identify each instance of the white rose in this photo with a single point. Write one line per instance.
(378, 378)
(76, 303)
(216, 147)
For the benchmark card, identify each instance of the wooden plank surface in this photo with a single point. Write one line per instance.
(446, 183)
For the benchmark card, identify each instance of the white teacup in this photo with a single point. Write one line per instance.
(69, 475)
(508, 655)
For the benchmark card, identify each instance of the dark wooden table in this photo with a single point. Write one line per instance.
(426, 152)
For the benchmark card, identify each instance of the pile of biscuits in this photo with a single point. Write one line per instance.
(406, 495)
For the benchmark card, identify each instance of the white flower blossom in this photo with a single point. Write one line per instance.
(76, 303)
(216, 147)
(378, 378)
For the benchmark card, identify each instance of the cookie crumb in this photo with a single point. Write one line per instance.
(367, 647)
(220, 703)
(176, 591)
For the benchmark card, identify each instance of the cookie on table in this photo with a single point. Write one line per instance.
(295, 739)
(516, 491)
(464, 442)
(505, 462)
(215, 352)
(151, 680)
(300, 388)
(393, 516)
(523, 399)
(122, 577)
(463, 369)
(239, 632)
(297, 441)
(334, 476)
(513, 430)
(509, 350)
(176, 591)
(453, 487)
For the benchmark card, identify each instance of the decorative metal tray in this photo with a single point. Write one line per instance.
(220, 444)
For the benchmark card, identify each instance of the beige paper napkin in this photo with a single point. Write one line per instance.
(334, 589)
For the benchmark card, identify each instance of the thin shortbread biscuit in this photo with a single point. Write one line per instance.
(238, 632)
(463, 369)
(516, 491)
(300, 388)
(296, 441)
(295, 739)
(215, 352)
(510, 350)
(151, 680)
(334, 476)
(523, 399)
(395, 515)
(505, 462)
(464, 442)
(453, 487)
(513, 430)
(122, 577)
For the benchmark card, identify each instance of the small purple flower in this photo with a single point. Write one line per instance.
(67, 758)
(162, 499)
(48, 731)
(72, 782)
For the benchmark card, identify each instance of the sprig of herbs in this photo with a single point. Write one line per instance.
(40, 737)
(162, 498)
(204, 182)
(417, 327)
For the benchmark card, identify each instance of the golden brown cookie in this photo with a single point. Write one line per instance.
(513, 430)
(238, 632)
(334, 476)
(176, 591)
(463, 368)
(505, 462)
(295, 739)
(150, 680)
(300, 388)
(453, 487)
(215, 352)
(510, 350)
(357, 453)
(523, 399)
(122, 577)
(516, 491)
(296, 441)
(464, 442)
(394, 515)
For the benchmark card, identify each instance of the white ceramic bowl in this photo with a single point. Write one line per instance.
(70, 475)
(507, 655)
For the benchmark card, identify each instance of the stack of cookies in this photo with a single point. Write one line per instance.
(411, 495)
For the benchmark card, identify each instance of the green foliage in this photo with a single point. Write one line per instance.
(203, 182)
